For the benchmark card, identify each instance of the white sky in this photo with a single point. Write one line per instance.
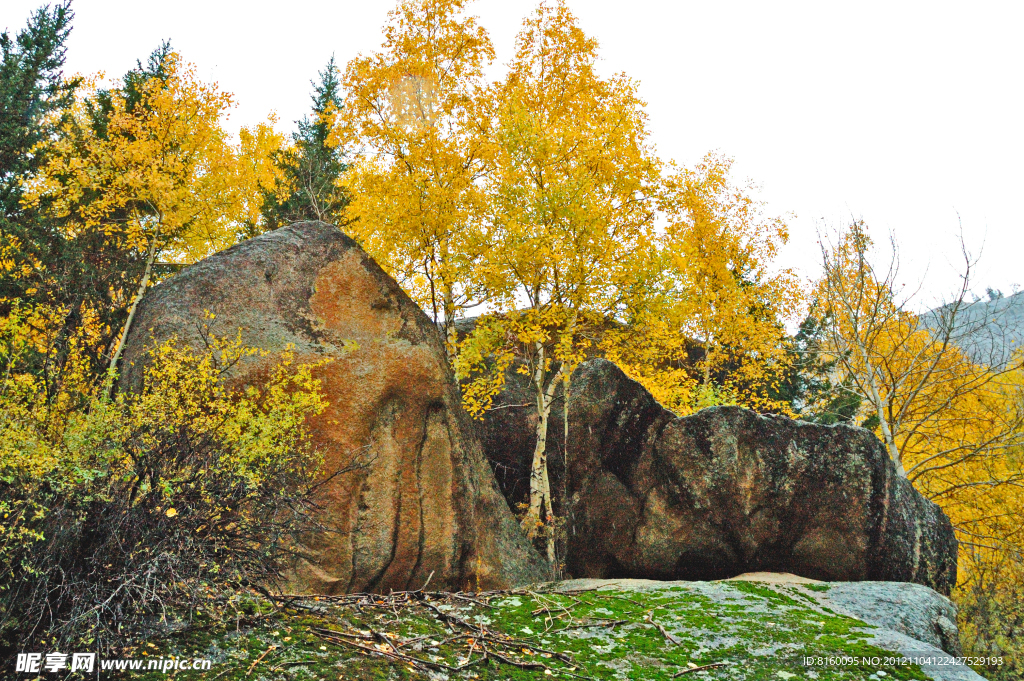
(903, 113)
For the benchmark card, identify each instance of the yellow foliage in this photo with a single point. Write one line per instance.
(255, 425)
(550, 340)
(14, 262)
(570, 215)
(184, 479)
(937, 408)
(569, 221)
(415, 196)
(153, 171)
(714, 333)
(160, 173)
(952, 422)
(990, 601)
(256, 170)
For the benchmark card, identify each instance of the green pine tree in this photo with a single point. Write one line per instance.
(311, 167)
(33, 95)
(811, 385)
(42, 261)
(101, 108)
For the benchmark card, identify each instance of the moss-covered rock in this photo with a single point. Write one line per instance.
(594, 630)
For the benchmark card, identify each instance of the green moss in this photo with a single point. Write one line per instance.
(757, 631)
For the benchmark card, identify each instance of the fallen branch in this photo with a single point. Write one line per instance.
(461, 597)
(700, 668)
(621, 598)
(451, 618)
(260, 659)
(515, 663)
(609, 623)
(671, 639)
(395, 656)
(545, 608)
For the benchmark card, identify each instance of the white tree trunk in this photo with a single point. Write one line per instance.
(538, 515)
(116, 357)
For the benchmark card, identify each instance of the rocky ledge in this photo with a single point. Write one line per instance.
(767, 629)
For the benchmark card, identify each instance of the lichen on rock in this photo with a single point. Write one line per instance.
(596, 629)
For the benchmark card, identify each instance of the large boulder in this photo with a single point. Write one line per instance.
(424, 501)
(727, 491)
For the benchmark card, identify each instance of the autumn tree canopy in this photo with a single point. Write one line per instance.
(417, 203)
(570, 217)
(950, 414)
(147, 167)
(540, 201)
(713, 329)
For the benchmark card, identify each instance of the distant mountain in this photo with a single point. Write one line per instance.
(990, 331)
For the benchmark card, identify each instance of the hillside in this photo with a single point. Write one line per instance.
(989, 330)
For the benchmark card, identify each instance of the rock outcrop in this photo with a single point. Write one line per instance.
(622, 629)
(425, 501)
(727, 491)
(903, 618)
(910, 609)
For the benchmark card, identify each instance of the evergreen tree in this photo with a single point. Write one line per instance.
(33, 96)
(156, 66)
(311, 167)
(44, 260)
(812, 384)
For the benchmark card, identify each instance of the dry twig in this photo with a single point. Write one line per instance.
(260, 659)
(669, 637)
(699, 669)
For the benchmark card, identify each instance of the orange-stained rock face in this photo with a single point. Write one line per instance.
(423, 499)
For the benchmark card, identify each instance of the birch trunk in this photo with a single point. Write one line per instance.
(449, 323)
(883, 422)
(116, 357)
(538, 515)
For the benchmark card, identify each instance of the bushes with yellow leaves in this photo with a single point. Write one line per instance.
(117, 515)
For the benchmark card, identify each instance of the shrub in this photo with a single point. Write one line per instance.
(118, 516)
(990, 600)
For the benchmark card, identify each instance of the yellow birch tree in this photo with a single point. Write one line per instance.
(416, 201)
(945, 390)
(149, 166)
(716, 331)
(569, 221)
(916, 373)
(257, 175)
